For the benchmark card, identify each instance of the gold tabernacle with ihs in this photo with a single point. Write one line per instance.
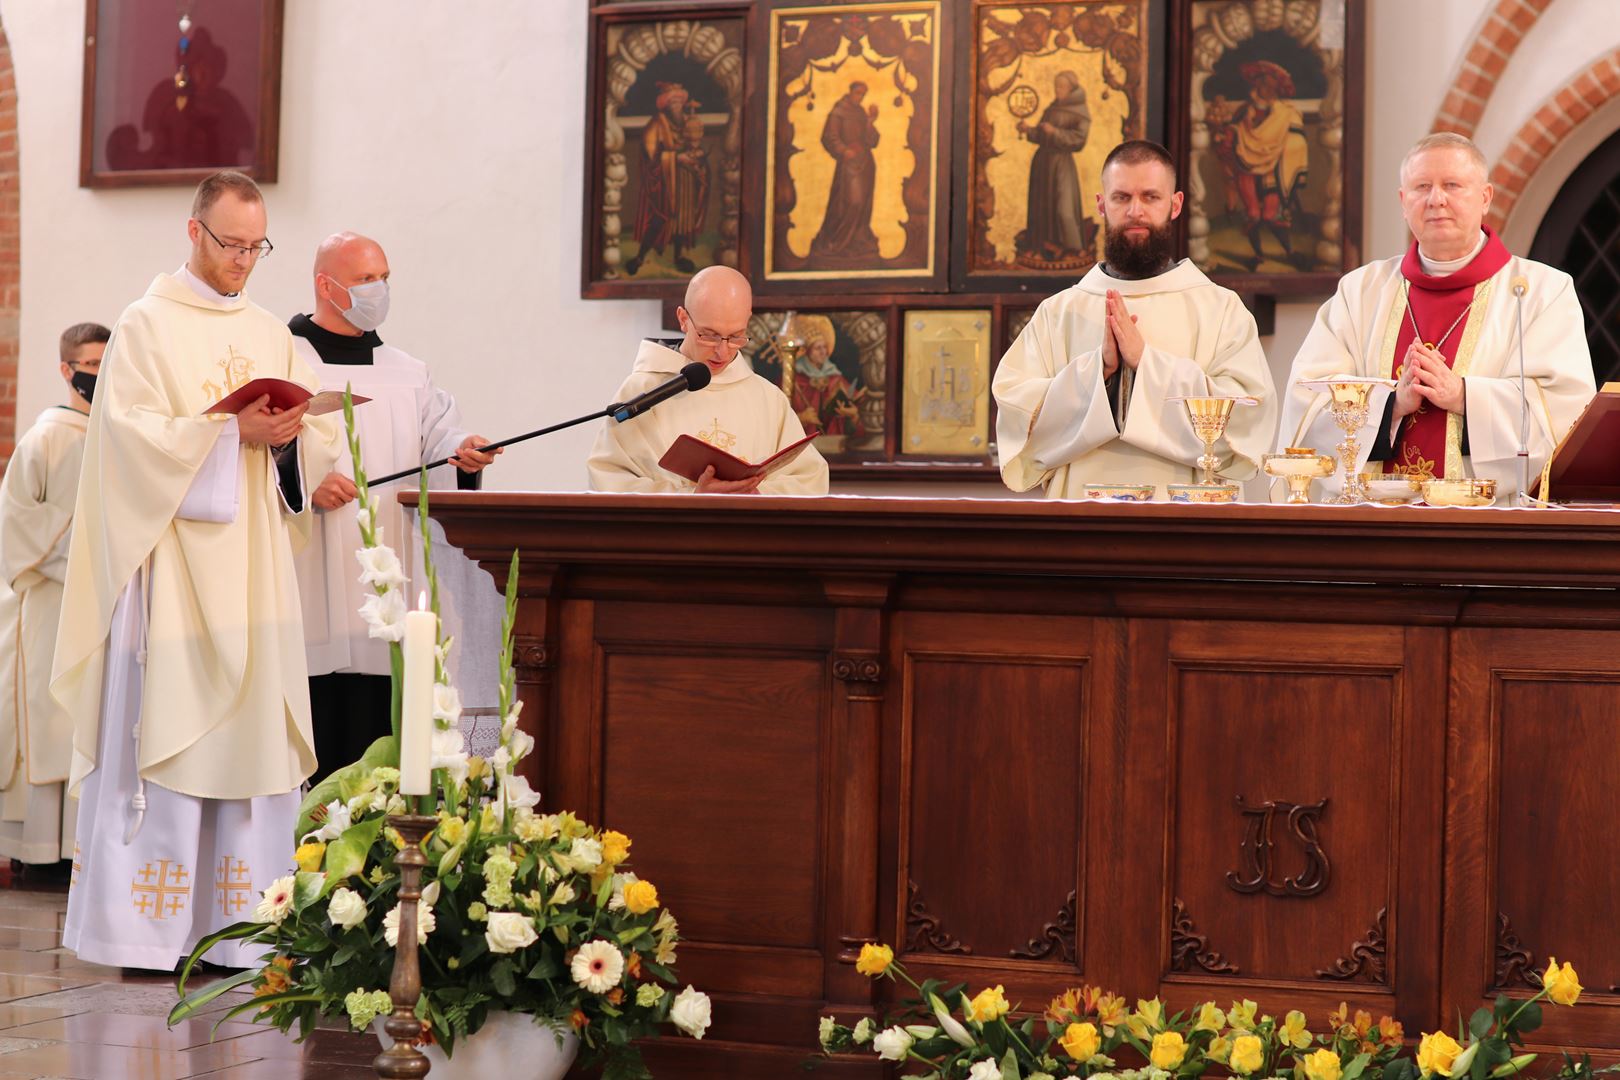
(946, 399)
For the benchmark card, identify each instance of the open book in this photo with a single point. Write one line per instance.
(284, 394)
(688, 457)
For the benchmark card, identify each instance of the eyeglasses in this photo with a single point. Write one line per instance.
(714, 340)
(261, 250)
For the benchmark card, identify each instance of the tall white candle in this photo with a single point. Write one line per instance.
(416, 706)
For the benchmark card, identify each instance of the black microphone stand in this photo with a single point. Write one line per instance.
(599, 414)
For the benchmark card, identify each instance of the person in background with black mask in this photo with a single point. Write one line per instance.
(36, 512)
(408, 420)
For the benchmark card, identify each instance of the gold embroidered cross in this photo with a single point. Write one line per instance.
(164, 896)
(232, 886)
(718, 437)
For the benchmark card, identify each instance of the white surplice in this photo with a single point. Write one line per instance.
(738, 412)
(1055, 425)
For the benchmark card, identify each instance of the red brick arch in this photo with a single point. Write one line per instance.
(1498, 36)
(1564, 110)
(10, 252)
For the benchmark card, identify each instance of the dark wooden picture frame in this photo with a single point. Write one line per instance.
(188, 113)
(973, 192)
(1194, 143)
(613, 187)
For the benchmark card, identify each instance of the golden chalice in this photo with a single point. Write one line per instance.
(1297, 466)
(1209, 416)
(1347, 401)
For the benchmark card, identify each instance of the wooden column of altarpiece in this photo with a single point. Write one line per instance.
(1299, 755)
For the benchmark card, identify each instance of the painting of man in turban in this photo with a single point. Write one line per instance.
(674, 180)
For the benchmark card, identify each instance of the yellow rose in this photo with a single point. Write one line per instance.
(875, 959)
(309, 856)
(1210, 1018)
(988, 1004)
(1436, 1052)
(1562, 985)
(615, 847)
(1322, 1065)
(1081, 1042)
(1169, 1050)
(1241, 1015)
(1247, 1054)
(640, 897)
(1293, 1033)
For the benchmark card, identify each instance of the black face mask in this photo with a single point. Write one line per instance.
(84, 384)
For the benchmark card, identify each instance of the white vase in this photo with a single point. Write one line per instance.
(508, 1045)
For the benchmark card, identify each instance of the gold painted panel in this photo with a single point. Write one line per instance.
(946, 399)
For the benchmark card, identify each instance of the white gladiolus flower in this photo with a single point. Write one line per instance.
(598, 966)
(450, 754)
(278, 900)
(443, 651)
(690, 1012)
(985, 1070)
(521, 744)
(385, 615)
(366, 514)
(425, 923)
(337, 820)
(379, 566)
(892, 1044)
(509, 725)
(510, 931)
(347, 909)
(446, 705)
(500, 759)
(516, 792)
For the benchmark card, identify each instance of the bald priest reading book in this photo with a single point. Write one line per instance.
(739, 413)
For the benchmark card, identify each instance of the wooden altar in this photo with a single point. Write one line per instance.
(1298, 754)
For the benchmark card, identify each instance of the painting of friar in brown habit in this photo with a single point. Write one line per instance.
(852, 141)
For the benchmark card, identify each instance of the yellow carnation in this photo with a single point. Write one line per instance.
(309, 856)
(874, 959)
(1561, 984)
(1248, 1054)
(640, 897)
(988, 1004)
(1081, 1042)
(1169, 1050)
(1436, 1052)
(615, 847)
(1322, 1065)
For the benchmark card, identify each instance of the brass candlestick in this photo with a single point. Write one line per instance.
(403, 1059)
(1347, 402)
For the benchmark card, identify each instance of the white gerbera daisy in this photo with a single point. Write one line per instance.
(598, 966)
(277, 902)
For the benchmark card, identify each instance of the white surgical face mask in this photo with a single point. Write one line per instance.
(368, 305)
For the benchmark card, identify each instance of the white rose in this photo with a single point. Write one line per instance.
(380, 566)
(509, 931)
(985, 1070)
(597, 966)
(892, 1044)
(690, 1012)
(385, 615)
(446, 705)
(586, 853)
(863, 1031)
(347, 909)
(425, 922)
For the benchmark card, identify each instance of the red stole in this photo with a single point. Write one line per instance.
(1437, 303)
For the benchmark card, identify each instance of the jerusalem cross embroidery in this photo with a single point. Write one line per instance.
(718, 437)
(233, 885)
(78, 867)
(162, 890)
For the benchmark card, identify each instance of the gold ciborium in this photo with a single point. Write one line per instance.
(1297, 466)
(1347, 401)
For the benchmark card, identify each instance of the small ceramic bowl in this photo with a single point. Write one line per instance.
(1198, 493)
(1464, 492)
(1392, 490)
(1122, 492)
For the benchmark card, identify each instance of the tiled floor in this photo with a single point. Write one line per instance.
(66, 1020)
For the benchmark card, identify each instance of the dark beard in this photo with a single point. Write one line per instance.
(1131, 260)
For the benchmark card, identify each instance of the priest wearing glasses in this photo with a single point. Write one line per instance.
(1441, 321)
(739, 411)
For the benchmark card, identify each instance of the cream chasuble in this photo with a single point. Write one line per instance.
(1355, 333)
(738, 411)
(1055, 425)
(223, 592)
(36, 736)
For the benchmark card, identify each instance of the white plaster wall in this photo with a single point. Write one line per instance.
(454, 133)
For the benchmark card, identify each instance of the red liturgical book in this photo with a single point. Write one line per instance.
(1586, 465)
(688, 457)
(284, 394)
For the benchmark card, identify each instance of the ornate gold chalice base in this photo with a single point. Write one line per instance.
(1297, 466)
(1347, 402)
(403, 1059)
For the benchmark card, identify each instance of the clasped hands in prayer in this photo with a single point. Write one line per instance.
(1122, 341)
(1426, 379)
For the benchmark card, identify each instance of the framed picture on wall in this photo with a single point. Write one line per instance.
(664, 132)
(834, 368)
(856, 144)
(1056, 86)
(177, 89)
(1269, 134)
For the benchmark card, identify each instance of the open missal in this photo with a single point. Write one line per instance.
(688, 457)
(284, 394)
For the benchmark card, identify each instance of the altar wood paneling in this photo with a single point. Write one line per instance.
(711, 742)
(1533, 855)
(1003, 760)
(1337, 900)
